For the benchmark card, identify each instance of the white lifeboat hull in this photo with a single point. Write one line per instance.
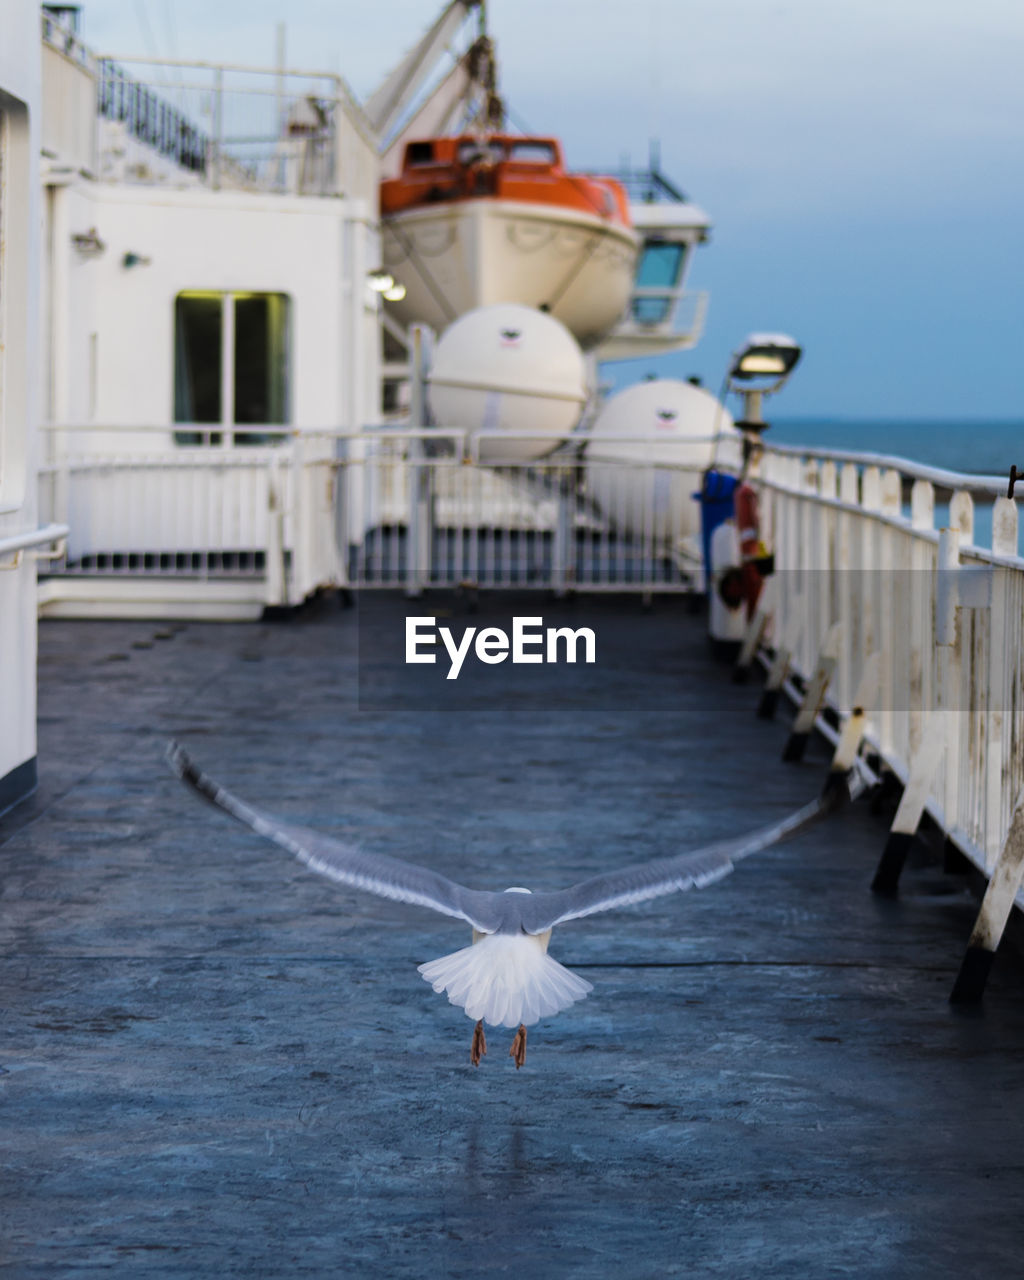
(452, 258)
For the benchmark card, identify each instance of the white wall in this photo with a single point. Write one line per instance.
(19, 373)
(314, 250)
(68, 105)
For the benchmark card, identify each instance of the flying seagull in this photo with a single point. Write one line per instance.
(505, 977)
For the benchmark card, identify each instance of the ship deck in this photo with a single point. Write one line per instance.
(216, 1063)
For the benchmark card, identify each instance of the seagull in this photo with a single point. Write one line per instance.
(505, 977)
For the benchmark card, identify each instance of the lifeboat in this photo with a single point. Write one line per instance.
(482, 219)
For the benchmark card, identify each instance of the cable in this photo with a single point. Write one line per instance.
(148, 38)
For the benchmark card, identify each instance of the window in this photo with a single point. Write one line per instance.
(419, 153)
(660, 267)
(480, 153)
(532, 153)
(231, 365)
(197, 363)
(661, 264)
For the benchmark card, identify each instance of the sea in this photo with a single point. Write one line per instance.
(975, 446)
(979, 447)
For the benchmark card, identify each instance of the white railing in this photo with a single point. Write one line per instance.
(449, 508)
(388, 508)
(657, 318)
(151, 509)
(268, 129)
(856, 544)
(62, 36)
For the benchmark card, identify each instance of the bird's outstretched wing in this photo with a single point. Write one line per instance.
(347, 863)
(404, 882)
(692, 870)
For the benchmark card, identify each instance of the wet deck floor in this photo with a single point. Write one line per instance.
(215, 1063)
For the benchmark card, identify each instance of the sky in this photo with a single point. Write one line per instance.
(862, 162)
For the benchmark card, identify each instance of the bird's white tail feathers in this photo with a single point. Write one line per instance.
(506, 979)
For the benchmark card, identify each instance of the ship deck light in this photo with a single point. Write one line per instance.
(771, 356)
(760, 366)
(379, 280)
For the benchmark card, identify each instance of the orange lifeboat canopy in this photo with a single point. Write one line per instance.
(498, 167)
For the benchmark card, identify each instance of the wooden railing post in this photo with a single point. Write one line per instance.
(995, 912)
(779, 669)
(852, 733)
(824, 669)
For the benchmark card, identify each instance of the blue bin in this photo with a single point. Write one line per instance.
(716, 504)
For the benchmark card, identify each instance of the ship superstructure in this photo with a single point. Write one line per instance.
(228, 319)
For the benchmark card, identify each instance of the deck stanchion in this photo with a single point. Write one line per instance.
(420, 537)
(837, 789)
(217, 142)
(938, 735)
(908, 815)
(779, 669)
(563, 545)
(276, 573)
(995, 911)
(755, 632)
(947, 660)
(824, 669)
(1004, 543)
(304, 549)
(421, 474)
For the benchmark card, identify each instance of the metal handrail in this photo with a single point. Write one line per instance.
(150, 61)
(64, 40)
(170, 428)
(383, 432)
(343, 93)
(16, 543)
(33, 538)
(938, 476)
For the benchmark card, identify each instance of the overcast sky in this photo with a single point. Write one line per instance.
(862, 160)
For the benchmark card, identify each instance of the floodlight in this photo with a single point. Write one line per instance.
(765, 355)
(759, 367)
(395, 293)
(380, 281)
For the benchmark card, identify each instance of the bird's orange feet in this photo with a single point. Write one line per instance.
(479, 1044)
(518, 1050)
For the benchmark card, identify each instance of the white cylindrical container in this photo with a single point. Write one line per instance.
(508, 370)
(645, 487)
